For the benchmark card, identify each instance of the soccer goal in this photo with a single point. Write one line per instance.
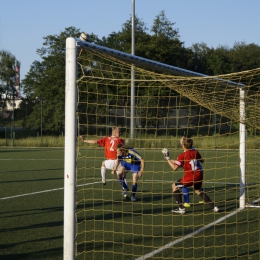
(154, 105)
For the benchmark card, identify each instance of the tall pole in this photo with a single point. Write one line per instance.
(242, 149)
(41, 122)
(13, 131)
(132, 111)
(70, 154)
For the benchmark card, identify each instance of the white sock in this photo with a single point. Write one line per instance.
(103, 173)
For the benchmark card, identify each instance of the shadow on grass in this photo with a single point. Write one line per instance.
(48, 254)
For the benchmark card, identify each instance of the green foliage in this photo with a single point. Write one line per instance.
(8, 63)
(244, 56)
(142, 141)
(7, 68)
(46, 79)
(45, 82)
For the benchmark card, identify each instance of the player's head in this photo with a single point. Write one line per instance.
(121, 149)
(187, 143)
(116, 131)
(184, 137)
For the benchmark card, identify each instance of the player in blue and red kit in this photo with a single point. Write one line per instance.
(185, 190)
(193, 175)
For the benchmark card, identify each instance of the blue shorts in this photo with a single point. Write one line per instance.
(131, 167)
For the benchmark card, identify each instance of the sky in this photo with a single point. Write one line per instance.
(24, 23)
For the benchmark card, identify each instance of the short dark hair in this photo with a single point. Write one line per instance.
(120, 146)
(188, 143)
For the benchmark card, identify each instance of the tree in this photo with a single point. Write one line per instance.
(245, 56)
(122, 40)
(165, 45)
(219, 61)
(162, 45)
(8, 63)
(45, 84)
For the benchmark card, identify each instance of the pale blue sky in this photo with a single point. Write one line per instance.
(24, 23)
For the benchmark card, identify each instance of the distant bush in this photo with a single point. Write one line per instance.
(151, 141)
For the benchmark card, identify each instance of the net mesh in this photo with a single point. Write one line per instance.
(166, 107)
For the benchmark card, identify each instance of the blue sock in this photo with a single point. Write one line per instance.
(125, 185)
(122, 183)
(134, 189)
(186, 195)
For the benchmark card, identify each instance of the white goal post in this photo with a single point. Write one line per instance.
(70, 150)
(71, 130)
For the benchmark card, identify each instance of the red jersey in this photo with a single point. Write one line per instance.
(110, 144)
(190, 161)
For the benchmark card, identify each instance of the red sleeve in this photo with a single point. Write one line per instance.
(179, 160)
(198, 155)
(102, 141)
(121, 141)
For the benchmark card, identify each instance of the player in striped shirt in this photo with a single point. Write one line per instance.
(130, 160)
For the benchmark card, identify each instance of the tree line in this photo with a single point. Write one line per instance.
(45, 80)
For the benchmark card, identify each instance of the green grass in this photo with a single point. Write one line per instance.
(31, 197)
(31, 221)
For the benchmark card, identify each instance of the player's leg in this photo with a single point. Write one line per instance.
(121, 176)
(204, 196)
(107, 164)
(186, 196)
(135, 169)
(124, 184)
(201, 201)
(201, 189)
(134, 185)
(178, 198)
(103, 172)
(125, 181)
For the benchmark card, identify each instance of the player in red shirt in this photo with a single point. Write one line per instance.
(109, 143)
(193, 174)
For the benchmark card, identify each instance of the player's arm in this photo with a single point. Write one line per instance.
(115, 166)
(87, 141)
(199, 157)
(140, 173)
(173, 164)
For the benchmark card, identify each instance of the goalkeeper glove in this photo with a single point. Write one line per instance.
(166, 153)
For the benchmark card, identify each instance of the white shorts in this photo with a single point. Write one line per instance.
(110, 164)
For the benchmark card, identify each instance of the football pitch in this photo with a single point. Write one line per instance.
(109, 227)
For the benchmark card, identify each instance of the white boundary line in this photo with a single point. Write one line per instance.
(44, 191)
(28, 194)
(12, 159)
(151, 254)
